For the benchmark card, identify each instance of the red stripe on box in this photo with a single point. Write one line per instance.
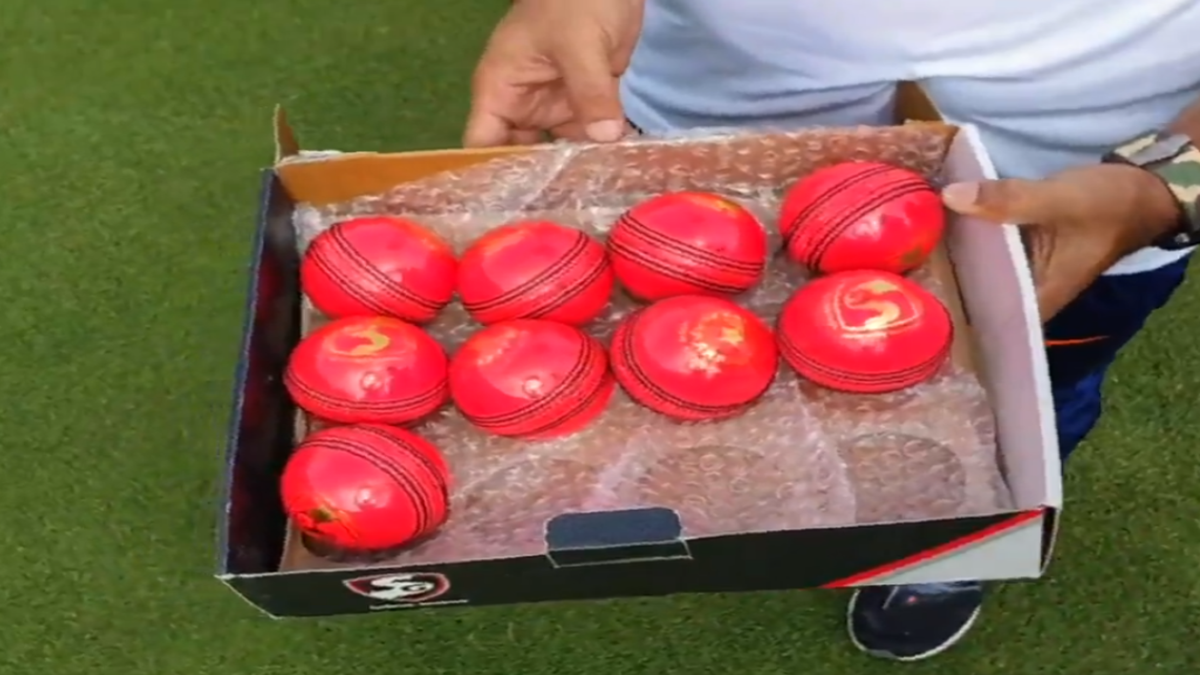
(937, 551)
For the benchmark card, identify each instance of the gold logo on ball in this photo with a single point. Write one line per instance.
(488, 346)
(715, 202)
(714, 340)
(372, 342)
(359, 342)
(871, 307)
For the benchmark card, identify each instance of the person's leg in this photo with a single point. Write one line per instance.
(910, 623)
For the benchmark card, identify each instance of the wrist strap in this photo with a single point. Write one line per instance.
(1176, 161)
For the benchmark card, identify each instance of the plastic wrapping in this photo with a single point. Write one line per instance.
(803, 457)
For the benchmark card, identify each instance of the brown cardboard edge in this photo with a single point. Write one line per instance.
(913, 104)
(964, 350)
(286, 144)
(326, 180)
(340, 178)
(334, 180)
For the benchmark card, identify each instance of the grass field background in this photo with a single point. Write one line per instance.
(131, 132)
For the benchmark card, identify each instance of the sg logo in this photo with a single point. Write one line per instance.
(875, 306)
(362, 342)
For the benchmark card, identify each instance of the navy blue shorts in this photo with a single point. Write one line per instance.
(1083, 340)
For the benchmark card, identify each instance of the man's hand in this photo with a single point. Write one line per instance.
(1076, 223)
(553, 66)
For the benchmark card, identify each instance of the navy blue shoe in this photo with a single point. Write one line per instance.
(911, 623)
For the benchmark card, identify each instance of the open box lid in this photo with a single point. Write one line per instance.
(996, 285)
(989, 263)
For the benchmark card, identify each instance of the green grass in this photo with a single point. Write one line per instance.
(130, 136)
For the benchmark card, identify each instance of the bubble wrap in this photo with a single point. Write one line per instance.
(803, 457)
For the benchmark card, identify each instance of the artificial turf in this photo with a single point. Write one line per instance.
(131, 132)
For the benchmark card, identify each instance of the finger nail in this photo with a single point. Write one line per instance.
(605, 131)
(960, 195)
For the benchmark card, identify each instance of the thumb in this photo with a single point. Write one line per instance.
(592, 88)
(1010, 200)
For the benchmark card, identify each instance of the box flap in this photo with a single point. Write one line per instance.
(913, 104)
(330, 179)
(997, 284)
(340, 178)
(286, 144)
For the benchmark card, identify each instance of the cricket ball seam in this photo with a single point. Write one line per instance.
(421, 499)
(364, 452)
(388, 286)
(581, 371)
(433, 498)
(819, 242)
(903, 186)
(789, 233)
(838, 383)
(630, 254)
(802, 362)
(439, 472)
(568, 414)
(386, 283)
(639, 230)
(319, 258)
(553, 303)
(435, 393)
(552, 272)
(427, 401)
(825, 375)
(485, 310)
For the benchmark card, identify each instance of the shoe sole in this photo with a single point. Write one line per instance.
(953, 639)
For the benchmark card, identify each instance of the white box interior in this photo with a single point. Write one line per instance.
(998, 292)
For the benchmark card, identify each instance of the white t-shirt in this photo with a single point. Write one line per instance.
(1049, 83)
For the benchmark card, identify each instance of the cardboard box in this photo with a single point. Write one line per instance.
(1000, 335)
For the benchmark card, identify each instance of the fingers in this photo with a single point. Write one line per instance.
(574, 131)
(489, 131)
(545, 66)
(592, 88)
(486, 129)
(526, 137)
(1011, 200)
(490, 121)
